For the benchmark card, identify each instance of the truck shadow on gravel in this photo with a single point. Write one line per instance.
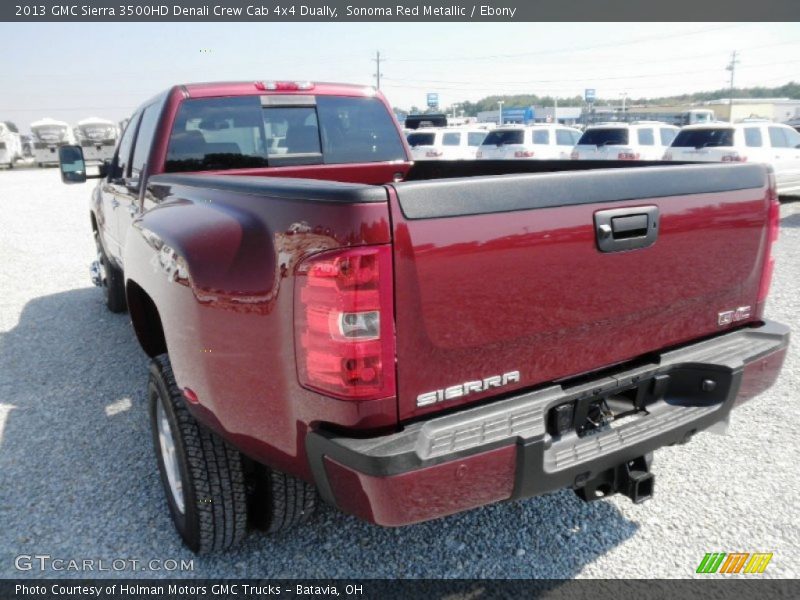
(78, 479)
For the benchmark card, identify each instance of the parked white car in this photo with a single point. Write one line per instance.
(10, 144)
(48, 136)
(97, 137)
(641, 140)
(523, 142)
(775, 144)
(445, 143)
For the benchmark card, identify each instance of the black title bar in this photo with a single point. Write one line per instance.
(398, 11)
(382, 589)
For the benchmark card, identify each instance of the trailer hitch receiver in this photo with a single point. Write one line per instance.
(632, 478)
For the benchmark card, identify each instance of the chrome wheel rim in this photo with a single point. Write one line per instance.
(169, 454)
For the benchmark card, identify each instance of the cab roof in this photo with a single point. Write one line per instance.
(256, 87)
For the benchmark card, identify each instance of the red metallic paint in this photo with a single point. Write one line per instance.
(229, 333)
(474, 296)
(487, 294)
(427, 493)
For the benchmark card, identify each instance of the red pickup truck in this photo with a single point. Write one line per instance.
(407, 341)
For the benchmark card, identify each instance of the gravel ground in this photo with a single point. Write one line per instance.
(78, 477)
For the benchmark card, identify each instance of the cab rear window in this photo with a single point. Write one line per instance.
(501, 138)
(421, 139)
(704, 138)
(238, 132)
(604, 137)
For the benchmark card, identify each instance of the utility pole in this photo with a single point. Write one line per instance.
(377, 61)
(555, 110)
(500, 114)
(624, 98)
(732, 68)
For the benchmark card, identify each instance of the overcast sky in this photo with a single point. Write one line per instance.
(70, 71)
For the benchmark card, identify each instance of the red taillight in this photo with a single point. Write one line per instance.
(735, 157)
(627, 156)
(773, 228)
(344, 323)
(523, 154)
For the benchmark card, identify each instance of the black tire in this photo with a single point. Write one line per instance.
(113, 283)
(279, 501)
(211, 471)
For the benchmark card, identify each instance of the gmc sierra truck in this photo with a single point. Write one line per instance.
(326, 318)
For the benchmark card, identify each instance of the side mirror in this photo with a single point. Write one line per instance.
(72, 164)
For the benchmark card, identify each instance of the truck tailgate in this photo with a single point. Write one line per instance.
(497, 275)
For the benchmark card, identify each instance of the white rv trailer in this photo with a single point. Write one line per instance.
(98, 138)
(48, 136)
(10, 144)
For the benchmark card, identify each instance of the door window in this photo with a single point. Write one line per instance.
(792, 137)
(122, 159)
(752, 137)
(475, 138)
(144, 139)
(564, 137)
(541, 136)
(646, 137)
(667, 135)
(777, 137)
(451, 139)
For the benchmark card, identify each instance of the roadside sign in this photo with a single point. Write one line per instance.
(590, 94)
(433, 100)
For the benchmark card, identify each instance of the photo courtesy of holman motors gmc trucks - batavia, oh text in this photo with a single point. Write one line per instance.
(327, 318)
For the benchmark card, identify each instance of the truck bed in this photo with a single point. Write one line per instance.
(496, 271)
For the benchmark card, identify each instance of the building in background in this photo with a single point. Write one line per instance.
(565, 115)
(774, 109)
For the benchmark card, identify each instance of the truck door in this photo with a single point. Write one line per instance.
(113, 192)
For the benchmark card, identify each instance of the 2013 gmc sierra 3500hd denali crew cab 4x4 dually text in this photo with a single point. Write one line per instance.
(407, 341)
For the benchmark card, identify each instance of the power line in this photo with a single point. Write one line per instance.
(500, 90)
(574, 50)
(583, 79)
(732, 68)
(377, 61)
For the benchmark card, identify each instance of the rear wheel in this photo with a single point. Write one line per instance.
(202, 475)
(279, 501)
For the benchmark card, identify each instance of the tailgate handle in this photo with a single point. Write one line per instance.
(621, 229)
